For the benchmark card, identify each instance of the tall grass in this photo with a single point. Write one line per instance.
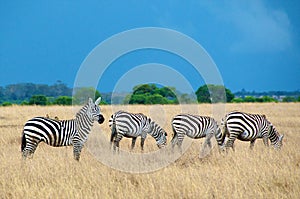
(53, 173)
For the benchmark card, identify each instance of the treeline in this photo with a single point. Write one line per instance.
(22, 93)
(40, 94)
(276, 94)
(61, 94)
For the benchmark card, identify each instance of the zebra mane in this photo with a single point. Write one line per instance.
(154, 126)
(82, 111)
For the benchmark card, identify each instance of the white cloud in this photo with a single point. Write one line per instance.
(259, 28)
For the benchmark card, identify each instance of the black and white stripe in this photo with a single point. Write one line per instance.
(249, 127)
(61, 133)
(195, 127)
(131, 125)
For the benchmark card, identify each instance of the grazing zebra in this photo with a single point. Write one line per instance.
(195, 127)
(61, 132)
(130, 125)
(249, 127)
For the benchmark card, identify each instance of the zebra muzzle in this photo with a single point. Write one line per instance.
(101, 119)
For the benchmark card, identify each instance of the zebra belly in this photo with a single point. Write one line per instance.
(128, 133)
(247, 136)
(129, 136)
(195, 135)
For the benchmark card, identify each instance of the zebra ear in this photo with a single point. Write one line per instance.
(97, 102)
(281, 137)
(90, 101)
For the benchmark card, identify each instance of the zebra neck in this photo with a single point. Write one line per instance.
(154, 131)
(274, 138)
(84, 123)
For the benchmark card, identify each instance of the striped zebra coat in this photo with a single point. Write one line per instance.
(61, 133)
(249, 127)
(131, 125)
(196, 127)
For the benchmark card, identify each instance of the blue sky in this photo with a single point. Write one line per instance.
(255, 44)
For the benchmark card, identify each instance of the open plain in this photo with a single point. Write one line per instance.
(53, 173)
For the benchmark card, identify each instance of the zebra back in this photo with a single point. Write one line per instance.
(253, 123)
(136, 124)
(251, 126)
(50, 131)
(194, 126)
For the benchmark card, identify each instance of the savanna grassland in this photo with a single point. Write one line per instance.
(53, 173)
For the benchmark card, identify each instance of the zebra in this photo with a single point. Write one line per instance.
(195, 126)
(132, 125)
(58, 133)
(249, 127)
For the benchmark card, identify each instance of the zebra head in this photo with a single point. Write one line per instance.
(162, 139)
(275, 137)
(93, 111)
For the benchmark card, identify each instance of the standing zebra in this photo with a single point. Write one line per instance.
(130, 125)
(249, 127)
(195, 127)
(61, 133)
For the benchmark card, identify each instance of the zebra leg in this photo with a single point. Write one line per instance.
(252, 142)
(113, 134)
(29, 150)
(266, 141)
(111, 139)
(207, 142)
(77, 150)
(133, 143)
(142, 143)
(179, 143)
(230, 141)
(174, 140)
(117, 140)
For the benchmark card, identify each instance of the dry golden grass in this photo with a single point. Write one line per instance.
(53, 173)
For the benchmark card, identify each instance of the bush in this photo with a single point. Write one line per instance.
(24, 103)
(289, 99)
(214, 94)
(38, 100)
(237, 100)
(151, 94)
(268, 99)
(63, 100)
(6, 104)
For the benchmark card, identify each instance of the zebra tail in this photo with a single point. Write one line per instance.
(224, 130)
(23, 144)
(113, 129)
(174, 134)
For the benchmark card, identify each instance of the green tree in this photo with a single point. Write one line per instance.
(213, 94)
(203, 94)
(138, 99)
(268, 99)
(6, 104)
(249, 99)
(151, 94)
(38, 100)
(156, 99)
(145, 89)
(289, 99)
(237, 100)
(81, 95)
(186, 99)
(63, 100)
(168, 92)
